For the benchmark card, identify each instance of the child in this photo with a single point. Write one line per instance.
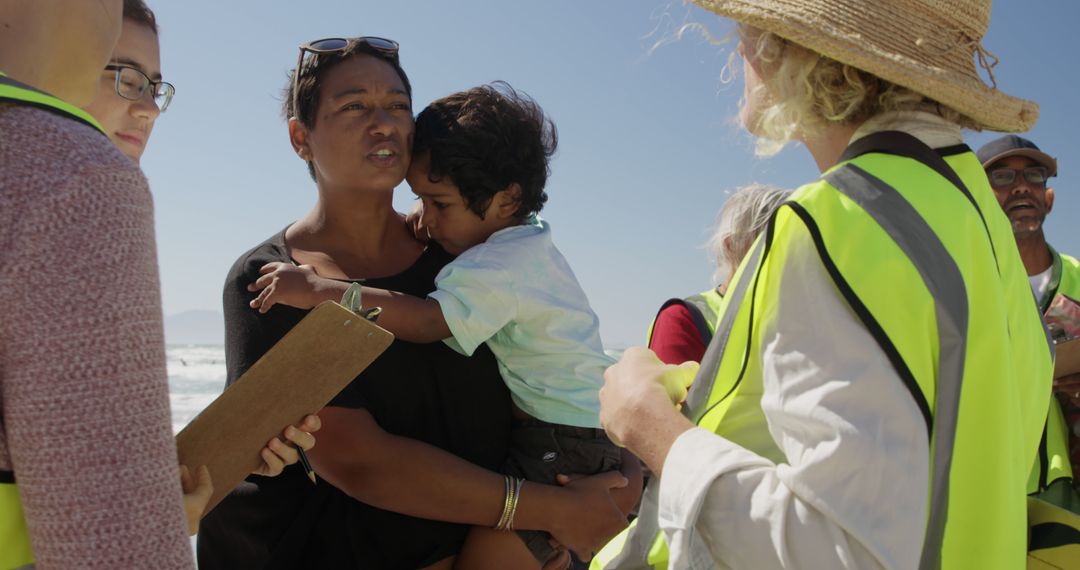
(479, 165)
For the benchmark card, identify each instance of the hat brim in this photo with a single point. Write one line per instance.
(1037, 155)
(824, 33)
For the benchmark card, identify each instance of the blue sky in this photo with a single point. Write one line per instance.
(648, 145)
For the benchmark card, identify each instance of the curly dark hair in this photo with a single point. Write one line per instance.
(485, 139)
(307, 99)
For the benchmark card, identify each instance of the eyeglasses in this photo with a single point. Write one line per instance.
(1002, 178)
(131, 84)
(388, 48)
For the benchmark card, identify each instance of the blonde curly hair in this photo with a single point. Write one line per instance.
(805, 91)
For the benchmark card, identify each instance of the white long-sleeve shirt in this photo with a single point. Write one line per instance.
(852, 492)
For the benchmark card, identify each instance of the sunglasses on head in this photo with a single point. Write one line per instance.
(1006, 177)
(386, 47)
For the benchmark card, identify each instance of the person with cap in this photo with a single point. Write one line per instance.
(876, 328)
(1018, 172)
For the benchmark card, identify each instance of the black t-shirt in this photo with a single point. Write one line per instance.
(425, 392)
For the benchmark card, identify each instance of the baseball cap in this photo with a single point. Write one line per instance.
(1013, 145)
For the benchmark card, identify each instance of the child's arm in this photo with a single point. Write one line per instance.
(409, 318)
(293, 285)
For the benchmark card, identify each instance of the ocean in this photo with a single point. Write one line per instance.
(196, 377)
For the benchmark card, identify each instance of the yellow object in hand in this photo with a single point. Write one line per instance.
(677, 380)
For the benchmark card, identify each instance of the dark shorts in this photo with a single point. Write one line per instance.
(540, 450)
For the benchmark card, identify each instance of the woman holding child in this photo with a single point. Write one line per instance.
(420, 431)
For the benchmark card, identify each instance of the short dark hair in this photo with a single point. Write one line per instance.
(307, 87)
(137, 11)
(485, 139)
(307, 96)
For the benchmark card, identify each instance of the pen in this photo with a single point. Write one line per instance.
(307, 465)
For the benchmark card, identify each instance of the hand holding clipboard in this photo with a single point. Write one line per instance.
(314, 361)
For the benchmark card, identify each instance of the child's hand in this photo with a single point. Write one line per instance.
(288, 284)
(197, 493)
(414, 220)
(277, 454)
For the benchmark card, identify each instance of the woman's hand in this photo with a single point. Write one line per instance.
(197, 493)
(277, 454)
(636, 409)
(589, 517)
(626, 498)
(293, 285)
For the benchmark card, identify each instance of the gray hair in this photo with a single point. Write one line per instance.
(739, 222)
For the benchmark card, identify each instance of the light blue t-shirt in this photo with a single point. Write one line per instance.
(516, 292)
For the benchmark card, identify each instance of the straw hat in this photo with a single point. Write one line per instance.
(929, 46)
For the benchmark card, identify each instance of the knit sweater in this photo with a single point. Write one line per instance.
(84, 404)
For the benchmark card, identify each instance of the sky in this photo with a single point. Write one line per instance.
(649, 147)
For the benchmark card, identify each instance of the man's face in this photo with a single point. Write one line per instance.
(1025, 203)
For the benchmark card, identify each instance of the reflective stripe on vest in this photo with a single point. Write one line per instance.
(642, 546)
(12, 91)
(981, 522)
(946, 286)
(708, 302)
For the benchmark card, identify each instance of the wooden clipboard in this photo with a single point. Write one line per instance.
(314, 361)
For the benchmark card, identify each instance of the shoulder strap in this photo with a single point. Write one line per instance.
(899, 143)
(696, 316)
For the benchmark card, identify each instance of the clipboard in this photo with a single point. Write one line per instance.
(299, 375)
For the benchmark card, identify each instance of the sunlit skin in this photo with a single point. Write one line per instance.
(753, 93)
(1025, 204)
(129, 123)
(58, 46)
(448, 221)
(363, 128)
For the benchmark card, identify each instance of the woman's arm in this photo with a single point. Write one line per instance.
(410, 477)
(852, 489)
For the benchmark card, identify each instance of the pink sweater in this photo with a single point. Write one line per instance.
(84, 404)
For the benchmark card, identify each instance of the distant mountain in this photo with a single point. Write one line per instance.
(195, 327)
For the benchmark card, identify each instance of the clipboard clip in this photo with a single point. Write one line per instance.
(351, 301)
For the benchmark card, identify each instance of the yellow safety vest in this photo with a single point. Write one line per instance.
(1052, 463)
(936, 279)
(15, 551)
